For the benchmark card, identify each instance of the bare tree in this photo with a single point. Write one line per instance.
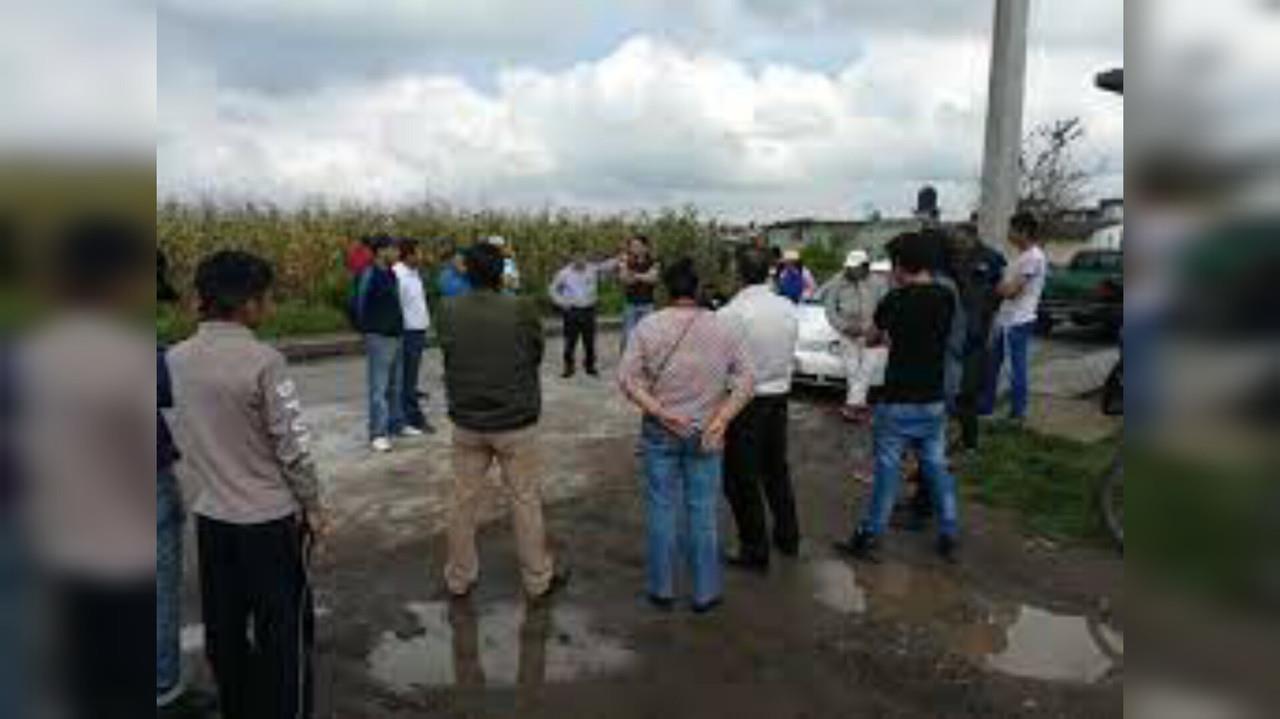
(1053, 178)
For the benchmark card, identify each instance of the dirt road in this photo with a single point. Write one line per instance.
(1017, 629)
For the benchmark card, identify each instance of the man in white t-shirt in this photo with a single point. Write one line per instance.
(1015, 321)
(417, 320)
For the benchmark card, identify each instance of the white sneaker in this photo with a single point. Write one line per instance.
(380, 444)
(410, 431)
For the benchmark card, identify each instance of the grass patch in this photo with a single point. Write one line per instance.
(1050, 481)
(291, 318)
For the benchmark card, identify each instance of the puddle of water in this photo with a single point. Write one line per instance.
(836, 587)
(1008, 638)
(1052, 647)
(504, 644)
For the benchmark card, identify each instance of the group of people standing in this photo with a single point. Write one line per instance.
(388, 306)
(712, 387)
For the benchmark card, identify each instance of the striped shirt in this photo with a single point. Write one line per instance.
(709, 367)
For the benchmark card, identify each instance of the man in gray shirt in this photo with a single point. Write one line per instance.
(238, 420)
(575, 291)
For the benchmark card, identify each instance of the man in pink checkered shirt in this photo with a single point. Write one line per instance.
(689, 372)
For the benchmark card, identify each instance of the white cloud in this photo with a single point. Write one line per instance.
(78, 77)
(658, 120)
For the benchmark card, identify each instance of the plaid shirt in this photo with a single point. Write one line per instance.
(710, 366)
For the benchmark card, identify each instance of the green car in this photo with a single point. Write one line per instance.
(1088, 292)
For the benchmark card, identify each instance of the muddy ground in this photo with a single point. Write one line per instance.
(1018, 628)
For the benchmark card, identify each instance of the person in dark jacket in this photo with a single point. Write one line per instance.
(979, 269)
(380, 319)
(493, 347)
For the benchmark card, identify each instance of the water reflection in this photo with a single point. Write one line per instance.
(505, 644)
(1005, 637)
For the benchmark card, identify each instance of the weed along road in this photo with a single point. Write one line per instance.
(1020, 627)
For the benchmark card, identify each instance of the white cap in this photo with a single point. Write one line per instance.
(881, 266)
(497, 240)
(857, 258)
(791, 256)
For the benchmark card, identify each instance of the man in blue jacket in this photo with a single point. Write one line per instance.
(379, 318)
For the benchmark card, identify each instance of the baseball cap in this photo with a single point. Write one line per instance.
(857, 258)
(497, 240)
(791, 256)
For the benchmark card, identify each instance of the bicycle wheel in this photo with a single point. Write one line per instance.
(1111, 500)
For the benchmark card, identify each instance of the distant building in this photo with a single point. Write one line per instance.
(838, 235)
(1112, 210)
(1078, 223)
(737, 234)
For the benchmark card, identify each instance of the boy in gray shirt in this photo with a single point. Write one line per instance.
(238, 419)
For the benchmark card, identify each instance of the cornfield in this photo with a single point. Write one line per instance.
(307, 246)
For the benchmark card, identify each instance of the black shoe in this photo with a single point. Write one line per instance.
(559, 581)
(862, 545)
(593, 372)
(427, 427)
(946, 548)
(568, 373)
(708, 606)
(662, 604)
(747, 564)
(192, 704)
(788, 550)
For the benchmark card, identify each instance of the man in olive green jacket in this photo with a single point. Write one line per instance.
(493, 346)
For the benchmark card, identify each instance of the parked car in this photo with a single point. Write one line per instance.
(819, 354)
(1088, 292)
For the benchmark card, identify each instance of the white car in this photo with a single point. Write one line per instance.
(819, 357)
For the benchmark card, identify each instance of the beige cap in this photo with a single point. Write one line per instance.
(791, 256)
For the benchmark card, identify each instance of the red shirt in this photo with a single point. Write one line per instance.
(359, 257)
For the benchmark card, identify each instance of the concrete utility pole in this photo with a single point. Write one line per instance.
(1004, 120)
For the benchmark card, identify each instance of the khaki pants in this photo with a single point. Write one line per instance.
(517, 456)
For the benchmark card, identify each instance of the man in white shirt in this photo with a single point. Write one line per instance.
(1021, 289)
(575, 291)
(756, 446)
(417, 320)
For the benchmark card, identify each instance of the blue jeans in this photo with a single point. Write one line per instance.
(170, 517)
(1018, 339)
(922, 427)
(383, 383)
(631, 316)
(415, 342)
(683, 490)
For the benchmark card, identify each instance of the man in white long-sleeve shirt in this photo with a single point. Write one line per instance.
(576, 292)
(756, 449)
(417, 320)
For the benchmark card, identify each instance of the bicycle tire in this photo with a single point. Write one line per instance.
(1111, 500)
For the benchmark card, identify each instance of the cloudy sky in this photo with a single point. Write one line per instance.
(749, 109)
